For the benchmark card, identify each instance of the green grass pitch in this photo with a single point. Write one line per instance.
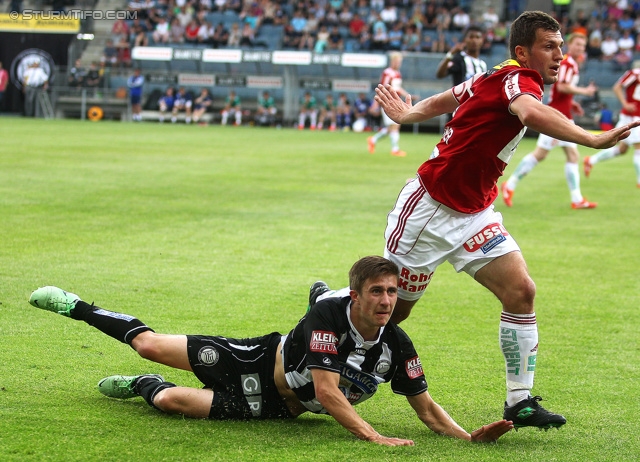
(221, 230)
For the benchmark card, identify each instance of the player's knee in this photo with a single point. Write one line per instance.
(169, 400)
(147, 345)
(519, 298)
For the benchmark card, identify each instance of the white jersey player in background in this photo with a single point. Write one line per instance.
(390, 76)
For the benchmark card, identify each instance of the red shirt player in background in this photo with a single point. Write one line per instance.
(627, 89)
(560, 98)
(390, 76)
(446, 213)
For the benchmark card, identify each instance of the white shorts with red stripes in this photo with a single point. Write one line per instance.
(422, 233)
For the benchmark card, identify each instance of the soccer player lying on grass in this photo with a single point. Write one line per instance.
(335, 357)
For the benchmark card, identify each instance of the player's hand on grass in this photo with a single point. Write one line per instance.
(387, 441)
(490, 433)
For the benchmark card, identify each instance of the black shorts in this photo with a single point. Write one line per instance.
(240, 373)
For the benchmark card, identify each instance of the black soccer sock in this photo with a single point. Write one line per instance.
(120, 326)
(149, 387)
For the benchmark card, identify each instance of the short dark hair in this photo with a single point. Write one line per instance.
(472, 28)
(371, 267)
(523, 29)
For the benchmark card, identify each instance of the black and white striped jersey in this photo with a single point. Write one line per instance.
(325, 338)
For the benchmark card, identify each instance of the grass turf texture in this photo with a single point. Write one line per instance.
(221, 231)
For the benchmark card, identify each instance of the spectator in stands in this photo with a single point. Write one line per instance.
(205, 33)
(380, 37)
(626, 45)
(184, 16)
(298, 22)
(427, 44)
(609, 47)
(331, 17)
(322, 40)
(440, 44)
(220, 5)
(443, 18)
(234, 5)
(4, 81)
(77, 74)
(336, 41)
(490, 18)
(109, 54)
(220, 36)
(266, 109)
(356, 26)
(119, 28)
(290, 37)
(93, 76)
(411, 40)
(460, 19)
(344, 112)
(389, 14)
(165, 103)
(328, 111)
(235, 35)
(176, 31)
(123, 52)
(605, 118)
(183, 101)
(202, 104)
(345, 16)
(135, 83)
(191, 32)
(252, 13)
(308, 110)
(395, 37)
(377, 5)
(161, 31)
(141, 39)
(232, 108)
(430, 17)
(247, 38)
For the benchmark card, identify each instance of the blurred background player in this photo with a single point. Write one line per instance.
(201, 104)
(308, 109)
(266, 110)
(135, 84)
(361, 107)
(343, 107)
(182, 102)
(165, 103)
(390, 76)
(463, 60)
(233, 108)
(560, 98)
(627, 89)
(328, 111)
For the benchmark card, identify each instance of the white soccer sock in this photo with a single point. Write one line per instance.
(225, 116)
(394, 136)
(519, 345)
(238, 117)
(572, 174)
(636, 164)
(314, 119)
(527, 164)
(382, 132)
(604, 155)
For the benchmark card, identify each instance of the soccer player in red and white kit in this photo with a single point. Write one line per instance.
(560, 98)
(627, 89)
(390, 76)
(446, 212)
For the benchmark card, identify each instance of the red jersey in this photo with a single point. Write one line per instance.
(480, 139)
(391, 77)
(630, 83)
(569, 73)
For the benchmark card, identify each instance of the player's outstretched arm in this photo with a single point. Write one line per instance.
(545, 119)
(404, 112)
(330, 396)
(437, 419)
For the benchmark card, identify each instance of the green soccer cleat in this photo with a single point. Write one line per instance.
(123, 386)
(54, 299)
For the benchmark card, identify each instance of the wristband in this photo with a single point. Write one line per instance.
(449, 56)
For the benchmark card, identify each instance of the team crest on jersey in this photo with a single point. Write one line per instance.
(413, 367)
(487, 238)
(208, 356)
(383, 366)
(323, 342)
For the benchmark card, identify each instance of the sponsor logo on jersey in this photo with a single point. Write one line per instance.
(413, 282)
(383, 366)
(355, 384)
(485, 240)
(323, 342)
(511, 85)
(413, 367)
(208, 356)
(252, 389)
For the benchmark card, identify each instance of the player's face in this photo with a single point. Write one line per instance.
(473, 41)
(544, 56)
(372, 308)
(396, 63)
